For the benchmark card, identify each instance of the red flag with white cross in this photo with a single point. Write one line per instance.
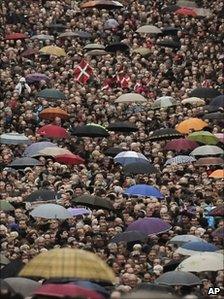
(83, 71)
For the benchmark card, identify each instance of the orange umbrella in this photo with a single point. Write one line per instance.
(190, 125)
(217, 174)
(51, 113)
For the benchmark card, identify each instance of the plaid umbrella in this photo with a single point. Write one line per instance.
(164, 134)
(208, 161)
(34, 148)
(149, 226)
(68, 263)
(204, 92)
(130, 236)
(50, 93)
(181, 144)
(14, 139)
(217, 174)
(93, 202)
(203, 137)
(149, 29)
(191, 124)
(207, 150)
(53, 131)
(25, 162)
(51, 113)
(181, 159)
(130, 97)
(164, 102)
(6, 206)
(175, 278)
(217, 211)
(50, 211)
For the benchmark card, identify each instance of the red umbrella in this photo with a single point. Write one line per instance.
(70, 290)
(186, 11)
(181, 144)
(52, 131)
(217, 211)
(15, 36)
(29, 52)
(69, 159)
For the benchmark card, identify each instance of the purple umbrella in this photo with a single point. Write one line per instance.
(36, 77)
(149, 226)
(219, 232)
(78, 211)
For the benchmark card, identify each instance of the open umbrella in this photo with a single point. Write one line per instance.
(111, 24)
(183, 239)
(220, 136)
(51, 113)
(186, 3)
(41, 195)
(70, 290)
(24, 286)
(191, 124)
(143, 190)
(140, 168)
(129, 236)
(149, 226)
(203, 137)
(130, 97)
(169, 43)
(34, 148)
(175, 278)
(78, 211)
(122, 127)
(36, 77)
(113, 151)
(82, 34)
(91, 130)
(207, 150)
(25, 162)
(149, 29)
(195, 247)
(91, 286)
(214, 115)
(194, 101)
(42, 37)
(164, 102)
(96, 53)
(69, 159)
(6, 206)
(170, 31)
(217, 102)
(181, 144)
(217, 211)
(50, 211)
(164, 134)
(16, 36)
(201, 262)
(14, 139)
(203, 92)
(52, 131)
(57, 26)
(219, 232)
(186, 12)
(128, 157)
(101, 4)
(68, 34)
(53, 50)
(217, 174)
(117, 47)
(171, 266)
(208, 161)
(29, 52)
(93, 202)
(53, 152)
(181, 159)
(3, 259)
(90, 47)
(12, 269)
(142, 51)
(51, 93)
(68, 263)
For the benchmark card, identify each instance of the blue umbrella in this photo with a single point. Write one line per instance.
(78, 211)
(149, 226)
(191, 248)
(181, 159)
(92, 286)
(143, 190)
(217, 102)
(34, 148)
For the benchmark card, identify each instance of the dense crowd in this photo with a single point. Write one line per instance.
(187, 189)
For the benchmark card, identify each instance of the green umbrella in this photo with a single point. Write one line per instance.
(6, 206)
(50, 93)
(204, 137)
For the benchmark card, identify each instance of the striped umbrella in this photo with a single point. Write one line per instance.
(129, 157)
(181, 159)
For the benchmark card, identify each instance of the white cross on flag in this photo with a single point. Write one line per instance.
(83, 72)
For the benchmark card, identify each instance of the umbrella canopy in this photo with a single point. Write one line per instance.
(208, 161)
(29, 52)
(12, 269)
(93, 202)
(142, 51)
(50, 211)
(43, 37)
(214, 115)
(220, 136)
(113, 151)
(51, 113)
(207, 150)
(53, 50)
(169, 43)
(149, 29)
(204, 92)
(57, 26)
(68, 34)
(164, 102)
(129, 236)
(186, 3)
(94, 47)
(91, 286)
(171, 266)
(217, 211)
(101, 4)
(34, 148)
(53, 152)
(219, 232)
(78, 211)
(6, 206)
(175, 278)
(203, 137)
(183, 239)
(191, 124)
(25, 162)
(24, 286)
(16, 36)
(51, 93)
(217, 174)
(111, 24)
(14, 139)
(164, 134)
(122, 127)
(194, 101)
(62, 290)
(149, 226)
(69, 159)
(186, 11)
(41, 195)
(140, 168)
(68, 263)
(206, 261)
(181, 144)
(83, 34)
(217, 102)
(3, 260)
(53, 131)
(170, 31)
(90, 130)
(129, 157)
(117, 47)
(191, 248)
(130, 97)
(96, 53)
(36, 77)
(143, 190)
(181, 159)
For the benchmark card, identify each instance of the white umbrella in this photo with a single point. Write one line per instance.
(23, 286)
(164, 102)
(193, 101)
(149, 29)
(130, 97)
(128, 157)
(14, 138)
(207, 150)
(50, 211)
(52, 151)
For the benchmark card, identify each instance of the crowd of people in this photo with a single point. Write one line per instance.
(187, 189)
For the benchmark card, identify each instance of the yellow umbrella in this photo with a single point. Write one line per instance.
(142, 51)
(53, 50)
(68, 263)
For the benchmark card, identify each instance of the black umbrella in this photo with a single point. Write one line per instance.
(170, 8)
(204, 92)
(129, 236)
(174, 278)
(90, 131)
(82, 34)
(214, 115)
(164, 134)
(140, 168)
(171, 266)
(12, 269)
(217, 102)
(113, 151)
(122, 47)
(169, 43)
(25, 162)
(170, 31)
(57, 26)
(122, 127)
(42, 195)
(153, 287)
(93, 202)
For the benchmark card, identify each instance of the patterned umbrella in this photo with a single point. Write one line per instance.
(217, 174)
(143, 190)
(36, 77)
(175, 278)
(51, 113)
(181, 144)
(208, 161)
(50, 93)
(53, 50)
(69, 159)
(14, 139)
(34, 148)
(78, 211)
(164, 134)
(164, 102)
(207, 150)
(130, 97)
(129, 157)
(53, 131)
(181, 159)
(204, 92)
(149, 226)
(68, 263)
(149, 29)
(191, 124)
(203, 137)
(50, 211)
(25, 162)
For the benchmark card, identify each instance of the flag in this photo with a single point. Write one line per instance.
(123, 81)
(83, 72)
(206, 83)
